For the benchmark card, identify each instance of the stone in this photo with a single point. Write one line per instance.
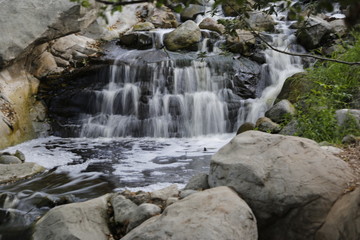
(84, 220)
(348, 117)
(260, 21)
(8, 159)
(185, 193)
(247, 126)
(191, 12)
(162, 18)
(213, 214)
(281, 111)
(43, 22)
(141, 214)
(338, 26)
(242, 43)
(171, 200)
(349, 139)
(143, 26)
(265, 124)
(332, 149)
(291, 128)
(343, 220)
(123, 208)
(198, 182)
(183, 37)
(165, 193)
(20, 155)
(289, 182)
(232, 8)
(137, 40)
(314, 33)
(15, 172)
(294, 87)
(212, 25)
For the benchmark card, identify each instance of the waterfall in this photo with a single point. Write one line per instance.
(277, 69)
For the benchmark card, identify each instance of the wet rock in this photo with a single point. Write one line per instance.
(141, 214)
(265, 124)
(212, 25)
(343, 220)
(14, 172)
(162, 18)
(245, 84)
(137, 40)
(224, 216)
(281, 111)
(191, 12)
(183, 37)
(8, 159)
(247, 126)
(165, 193)
(314, 33)
(243, 43)
(289, 182)
(260, 21)
(85, 220)
(198, 182)
(123, 208)
(143, 26)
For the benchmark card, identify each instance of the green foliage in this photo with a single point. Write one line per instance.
(334, 87)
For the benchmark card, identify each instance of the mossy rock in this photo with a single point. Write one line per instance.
(294, 88)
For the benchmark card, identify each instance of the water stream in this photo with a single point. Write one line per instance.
(153, 119)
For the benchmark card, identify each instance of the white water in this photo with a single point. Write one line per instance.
(280, 67)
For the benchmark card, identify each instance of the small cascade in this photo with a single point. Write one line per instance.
(277, 69)
(159, 94)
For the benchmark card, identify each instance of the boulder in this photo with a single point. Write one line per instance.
(314, 33)
(123, 208)
(8, 159)
(20, 155)
(84, 220)
(143, 26)
(212, 25)
(281, 111)
(232, 8)
(165, 193)
(247, 126)
(260, 21)
(348, 117)
(34, 22)
(137, 40)
(15, 172)
(343, 220)
(289, 182)
(217, 213)
(242, 43)
(162, 18)
(197, 182)
(338, 26)
(141, 214)
(265, 124)
(294, 87)
(290, 129)
(183, 37)
(191, 12)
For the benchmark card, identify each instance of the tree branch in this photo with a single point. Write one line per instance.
(122, 3)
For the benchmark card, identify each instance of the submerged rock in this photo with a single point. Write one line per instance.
(217, 213)
(289, 182)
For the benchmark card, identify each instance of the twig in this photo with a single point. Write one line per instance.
(122, 3)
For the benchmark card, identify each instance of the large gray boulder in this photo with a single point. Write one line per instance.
(26, 23)
(84, 220)
(183, 37)
(314, 33)
(289, 182)
(343, 221)
(217, 213)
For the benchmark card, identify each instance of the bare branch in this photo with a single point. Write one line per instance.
(122, 3)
